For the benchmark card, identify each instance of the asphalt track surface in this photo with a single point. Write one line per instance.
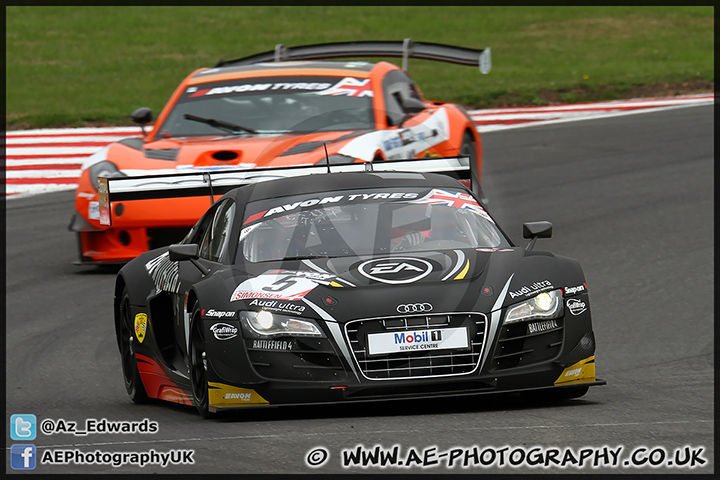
(630, 197)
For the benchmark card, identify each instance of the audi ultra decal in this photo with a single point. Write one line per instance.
(395, 270)
(414, 308)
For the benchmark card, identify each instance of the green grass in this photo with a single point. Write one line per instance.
(69, 66)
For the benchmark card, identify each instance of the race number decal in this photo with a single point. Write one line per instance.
(280, 285)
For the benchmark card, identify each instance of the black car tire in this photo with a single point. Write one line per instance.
(126, 338)
(198, 364)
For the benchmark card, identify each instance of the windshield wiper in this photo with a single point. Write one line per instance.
(305, 257)
(222, 125)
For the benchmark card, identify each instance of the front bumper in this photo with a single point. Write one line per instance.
(137, 226)
(119, 245)
(350, 386)
(276, 394)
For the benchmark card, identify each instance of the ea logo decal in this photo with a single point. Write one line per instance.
(395, 270)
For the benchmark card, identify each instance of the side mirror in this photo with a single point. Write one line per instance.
(184, 251)
(412, 105)
(187, 251)
(142, 116)
(535, 230)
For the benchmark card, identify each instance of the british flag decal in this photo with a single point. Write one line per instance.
(453, 199)
(351, 87)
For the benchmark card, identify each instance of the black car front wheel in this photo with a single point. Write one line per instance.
(126, 342)
(199, 364)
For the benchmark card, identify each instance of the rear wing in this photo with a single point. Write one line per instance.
(218, 182)
(405, 49)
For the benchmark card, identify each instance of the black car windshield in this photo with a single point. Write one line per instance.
(271, 105)
(363, 222)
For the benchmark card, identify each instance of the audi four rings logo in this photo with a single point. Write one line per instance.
(414, 308)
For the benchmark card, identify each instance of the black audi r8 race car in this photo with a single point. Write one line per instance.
(370, 282)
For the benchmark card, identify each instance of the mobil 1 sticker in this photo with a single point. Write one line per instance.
(417, 340)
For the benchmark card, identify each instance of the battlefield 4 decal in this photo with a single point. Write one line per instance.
(273, 345)
(544, 326)
(395, 270)
(529, 290)
(576, 306)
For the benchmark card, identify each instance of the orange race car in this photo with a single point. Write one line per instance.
(285, 107)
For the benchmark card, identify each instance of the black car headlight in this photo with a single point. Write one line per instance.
(542, 306)
(267, 324)
(104, 169)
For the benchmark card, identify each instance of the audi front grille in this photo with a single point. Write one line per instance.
(417, 363)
